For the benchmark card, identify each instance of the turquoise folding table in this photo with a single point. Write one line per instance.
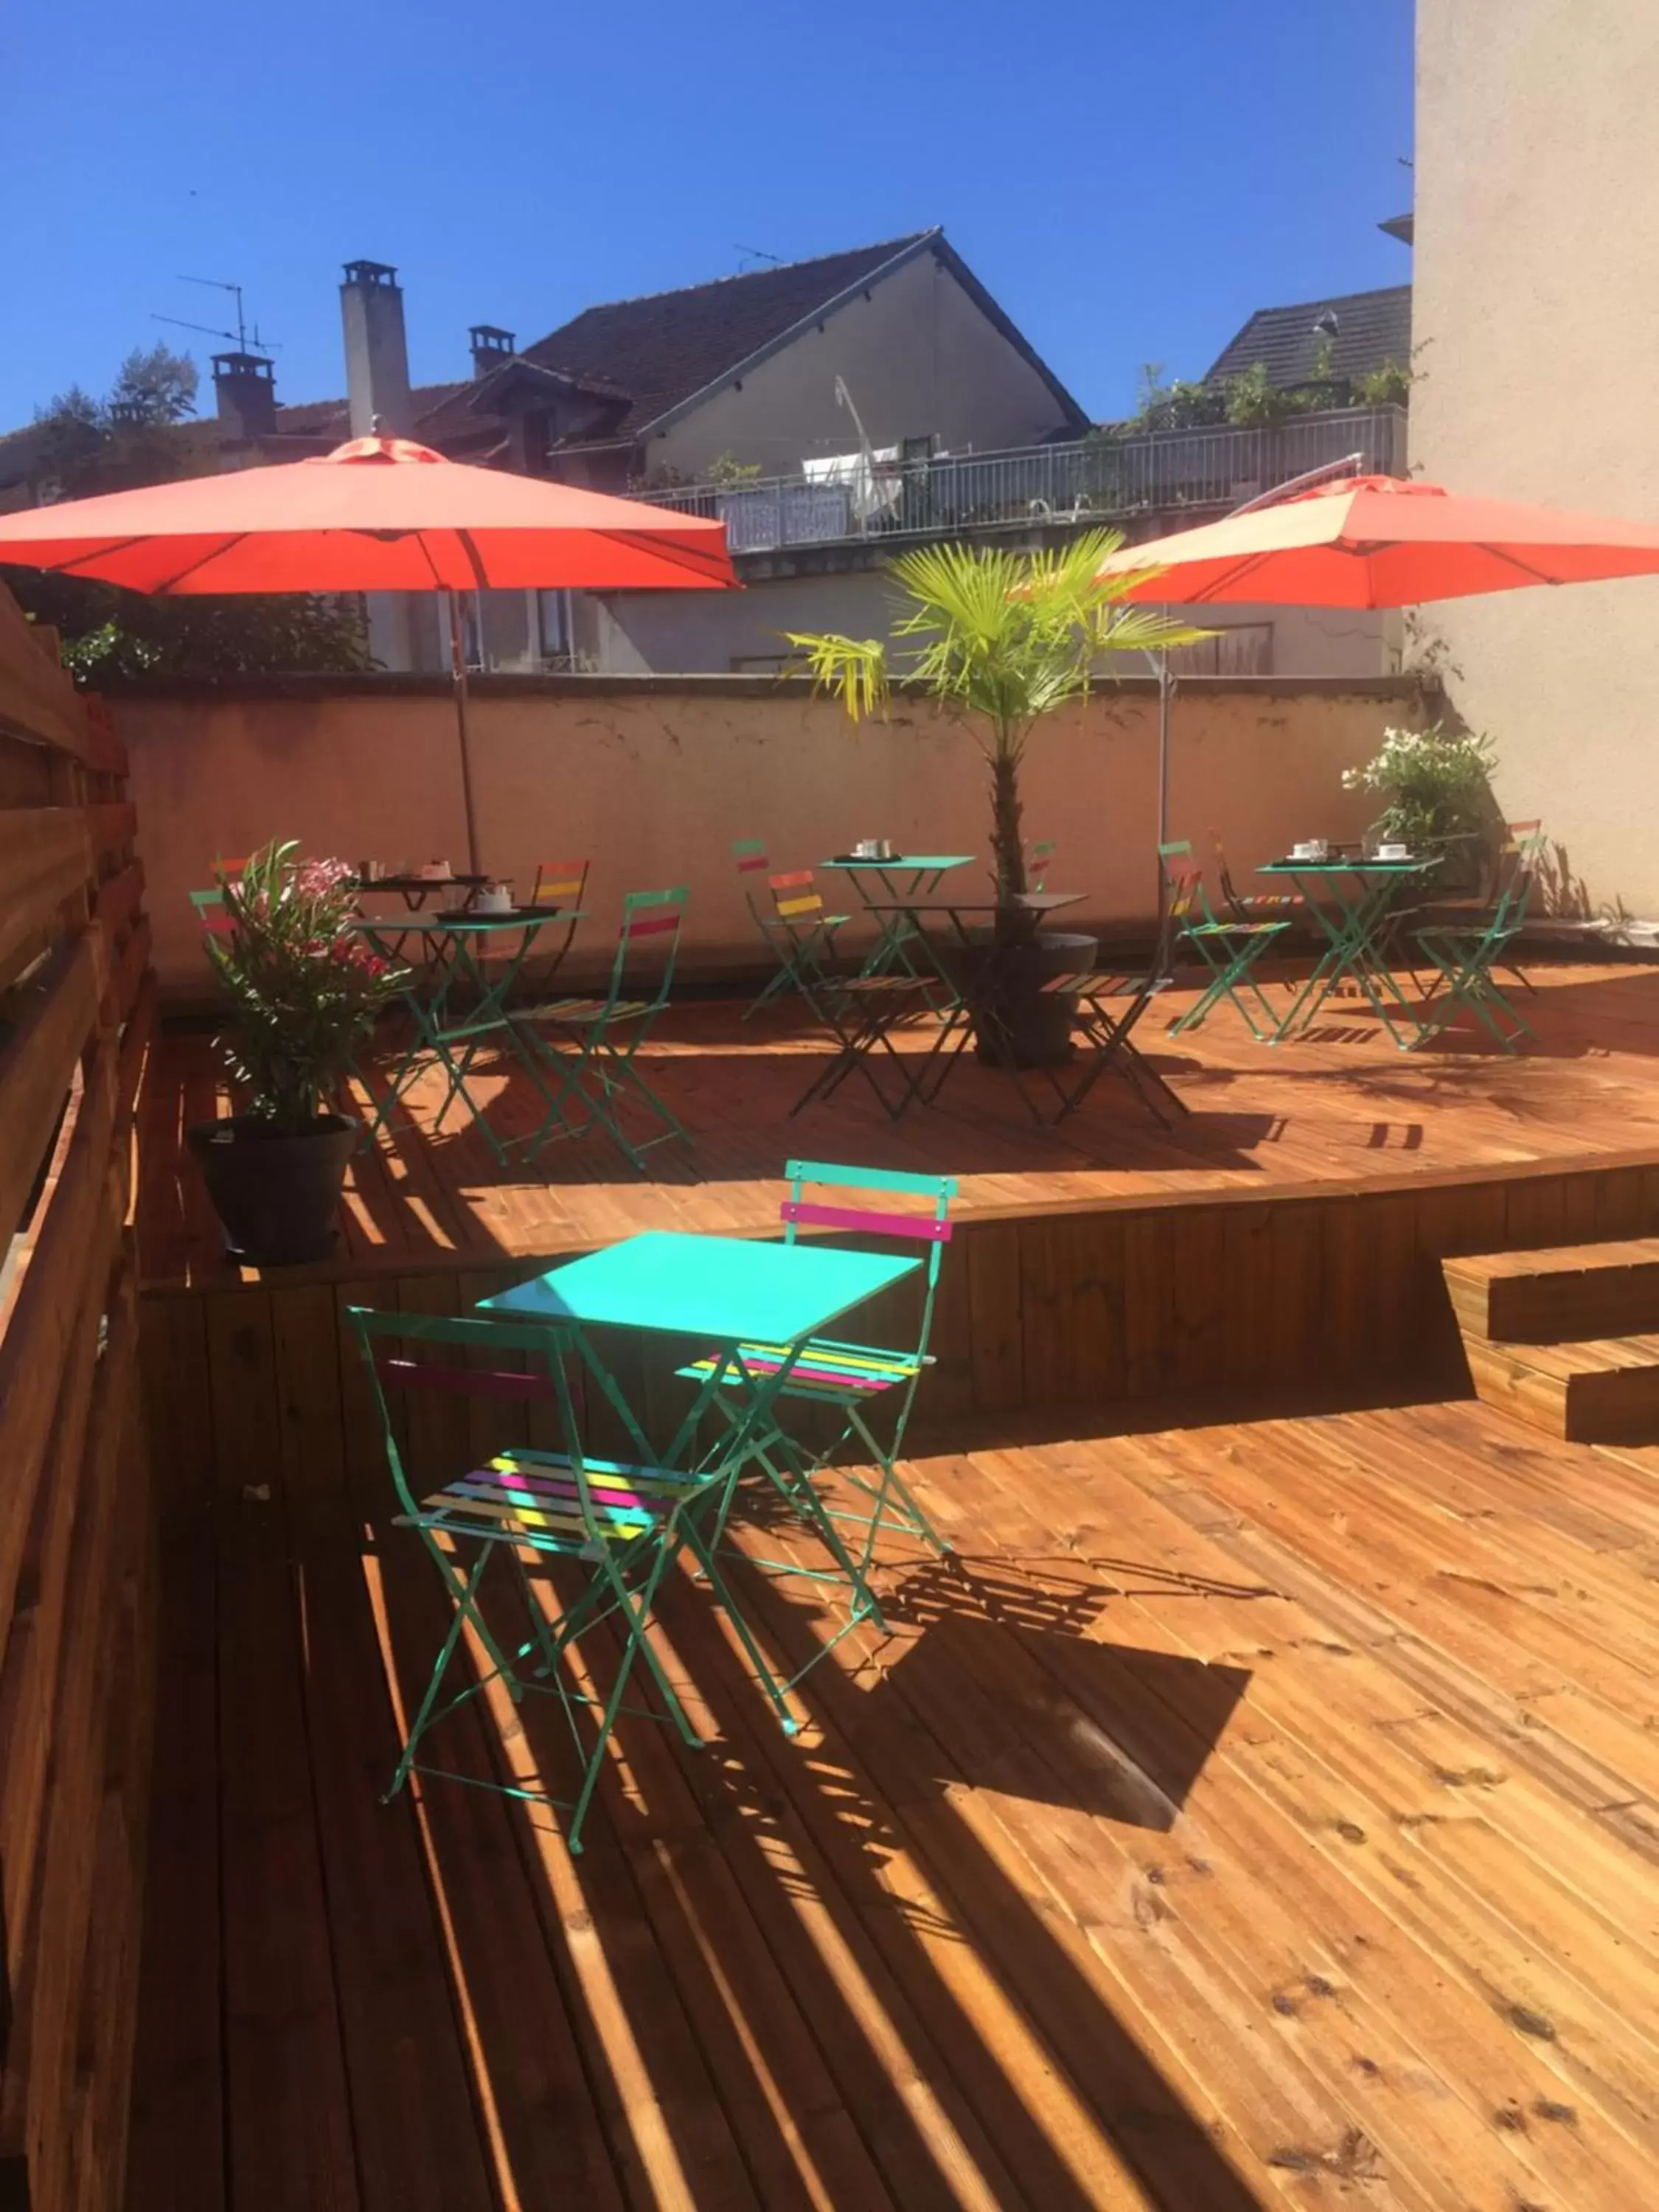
(725, 1292)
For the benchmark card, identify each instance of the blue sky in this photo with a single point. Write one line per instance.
(1129, 181)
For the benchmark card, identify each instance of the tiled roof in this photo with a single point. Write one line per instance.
(1372, 328)
(665, 347)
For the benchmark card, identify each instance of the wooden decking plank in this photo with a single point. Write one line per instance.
(1490, 2052)
(289, 2126)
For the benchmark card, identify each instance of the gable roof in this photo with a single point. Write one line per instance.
(1372, 328)
(666, 350)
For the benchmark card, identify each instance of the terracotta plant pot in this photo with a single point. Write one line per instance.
(276, 1195)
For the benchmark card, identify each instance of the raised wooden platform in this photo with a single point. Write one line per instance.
(1249, 1814)
(1341, 1110)
(1284, 1239)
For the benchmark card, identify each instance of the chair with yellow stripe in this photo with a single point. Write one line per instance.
(800, 932)
(869, 1388)
(625, 1525)
(558, 891)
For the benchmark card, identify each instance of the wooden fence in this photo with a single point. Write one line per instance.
(76, 1548)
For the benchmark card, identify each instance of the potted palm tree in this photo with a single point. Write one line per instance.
(304, 990)
(1003, 639)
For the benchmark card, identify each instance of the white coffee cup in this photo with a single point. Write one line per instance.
(1393, 853)
(495, 898)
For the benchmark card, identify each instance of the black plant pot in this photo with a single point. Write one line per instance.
(276, 1195)
(1005, 985)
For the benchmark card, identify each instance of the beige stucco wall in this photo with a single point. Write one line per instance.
(653, 782)
(1536, 311)
(919, 358)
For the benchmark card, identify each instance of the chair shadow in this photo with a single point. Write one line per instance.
(1003, 1693)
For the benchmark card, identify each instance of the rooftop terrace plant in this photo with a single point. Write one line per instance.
(303, 987)
(1005, 639)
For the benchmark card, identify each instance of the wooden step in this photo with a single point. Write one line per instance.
(1574, 1293)
(1595, 1390)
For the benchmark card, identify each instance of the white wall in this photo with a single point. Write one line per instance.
(1536, 311)
(683, 632)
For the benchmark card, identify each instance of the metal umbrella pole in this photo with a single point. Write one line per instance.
(1350, 465)
(458, 680)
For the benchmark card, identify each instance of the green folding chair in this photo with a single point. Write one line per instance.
(1467, 956)
(1039, 859)
(869, 1388)
(624, 1525)
(1229, 950)
(789, 946)
(591, 1045)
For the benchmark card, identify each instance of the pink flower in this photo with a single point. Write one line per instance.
(317, 878)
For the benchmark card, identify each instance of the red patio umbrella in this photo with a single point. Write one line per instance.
(1375, 542)
(376, 514)
(1384, 542)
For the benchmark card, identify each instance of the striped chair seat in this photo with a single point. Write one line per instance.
(585, 1010)
(817, 921)
(1235, 928)
(523, 1497)
(1100, 983)
(840, 1371)
(879, 986)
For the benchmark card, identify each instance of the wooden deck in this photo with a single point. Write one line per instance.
(1338, 1110)
(1247, 1816)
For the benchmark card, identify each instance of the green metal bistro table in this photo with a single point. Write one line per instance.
(445, 1031)
(887, 898)
(725, 1292)
(1350, 901)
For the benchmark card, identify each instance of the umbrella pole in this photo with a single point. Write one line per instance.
(458, 678)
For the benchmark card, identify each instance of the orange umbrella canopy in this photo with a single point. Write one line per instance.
(1380, 542)
(376, 514)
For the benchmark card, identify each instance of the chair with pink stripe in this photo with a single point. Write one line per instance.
(591, 1044)
(625, 1524)
(869, 1388)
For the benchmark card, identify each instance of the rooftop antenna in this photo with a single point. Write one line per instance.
(757, 253)
(242, 336)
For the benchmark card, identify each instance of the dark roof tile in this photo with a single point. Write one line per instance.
(1372, 328)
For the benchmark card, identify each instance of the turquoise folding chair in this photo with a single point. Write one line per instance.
(1229, 950)
(625, 1525)
(1039, 859)
(212, 912)
(799, 951)
(869, 1388)
(591, 1045)
(1468, 955)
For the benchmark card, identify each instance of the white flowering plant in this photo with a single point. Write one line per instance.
(1438, 787)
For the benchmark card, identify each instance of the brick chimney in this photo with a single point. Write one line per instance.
(245, 389)
(376, 349)
(490, 347)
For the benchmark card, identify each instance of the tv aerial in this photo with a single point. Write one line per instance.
(242, 337)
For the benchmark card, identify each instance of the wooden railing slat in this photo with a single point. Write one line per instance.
(77, 1634)
(37, 699)
(45, 854)
(36, 1070)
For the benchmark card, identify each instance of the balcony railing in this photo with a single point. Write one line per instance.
(1094, 480)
